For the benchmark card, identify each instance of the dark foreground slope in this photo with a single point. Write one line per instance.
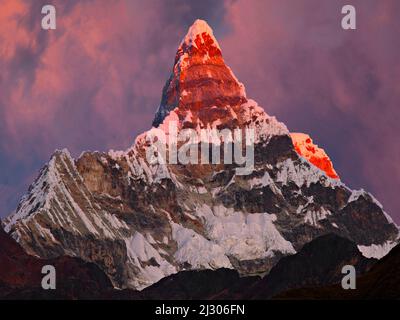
(20, 275)
(381, 282)
(318, 264)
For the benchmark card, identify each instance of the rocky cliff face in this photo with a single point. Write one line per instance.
(141, 221)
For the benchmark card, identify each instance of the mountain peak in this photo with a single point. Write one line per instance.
(200, 79)
(199, 32)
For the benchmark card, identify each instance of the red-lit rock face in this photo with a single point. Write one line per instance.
(305, 147)
(200, 81)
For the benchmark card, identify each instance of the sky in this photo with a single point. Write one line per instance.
(95, 82)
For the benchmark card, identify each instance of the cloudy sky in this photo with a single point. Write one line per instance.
(95, 82)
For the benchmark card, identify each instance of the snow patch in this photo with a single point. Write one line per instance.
(199, 252)
(265, 180)
(312, 217)
(244, 236)
(197, 29)
(377, 251)
(140, 251)
(301, 173)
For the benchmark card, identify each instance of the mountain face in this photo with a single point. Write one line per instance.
(20, 275)
(141, 221)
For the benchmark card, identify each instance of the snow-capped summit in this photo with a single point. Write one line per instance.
(201, 32)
